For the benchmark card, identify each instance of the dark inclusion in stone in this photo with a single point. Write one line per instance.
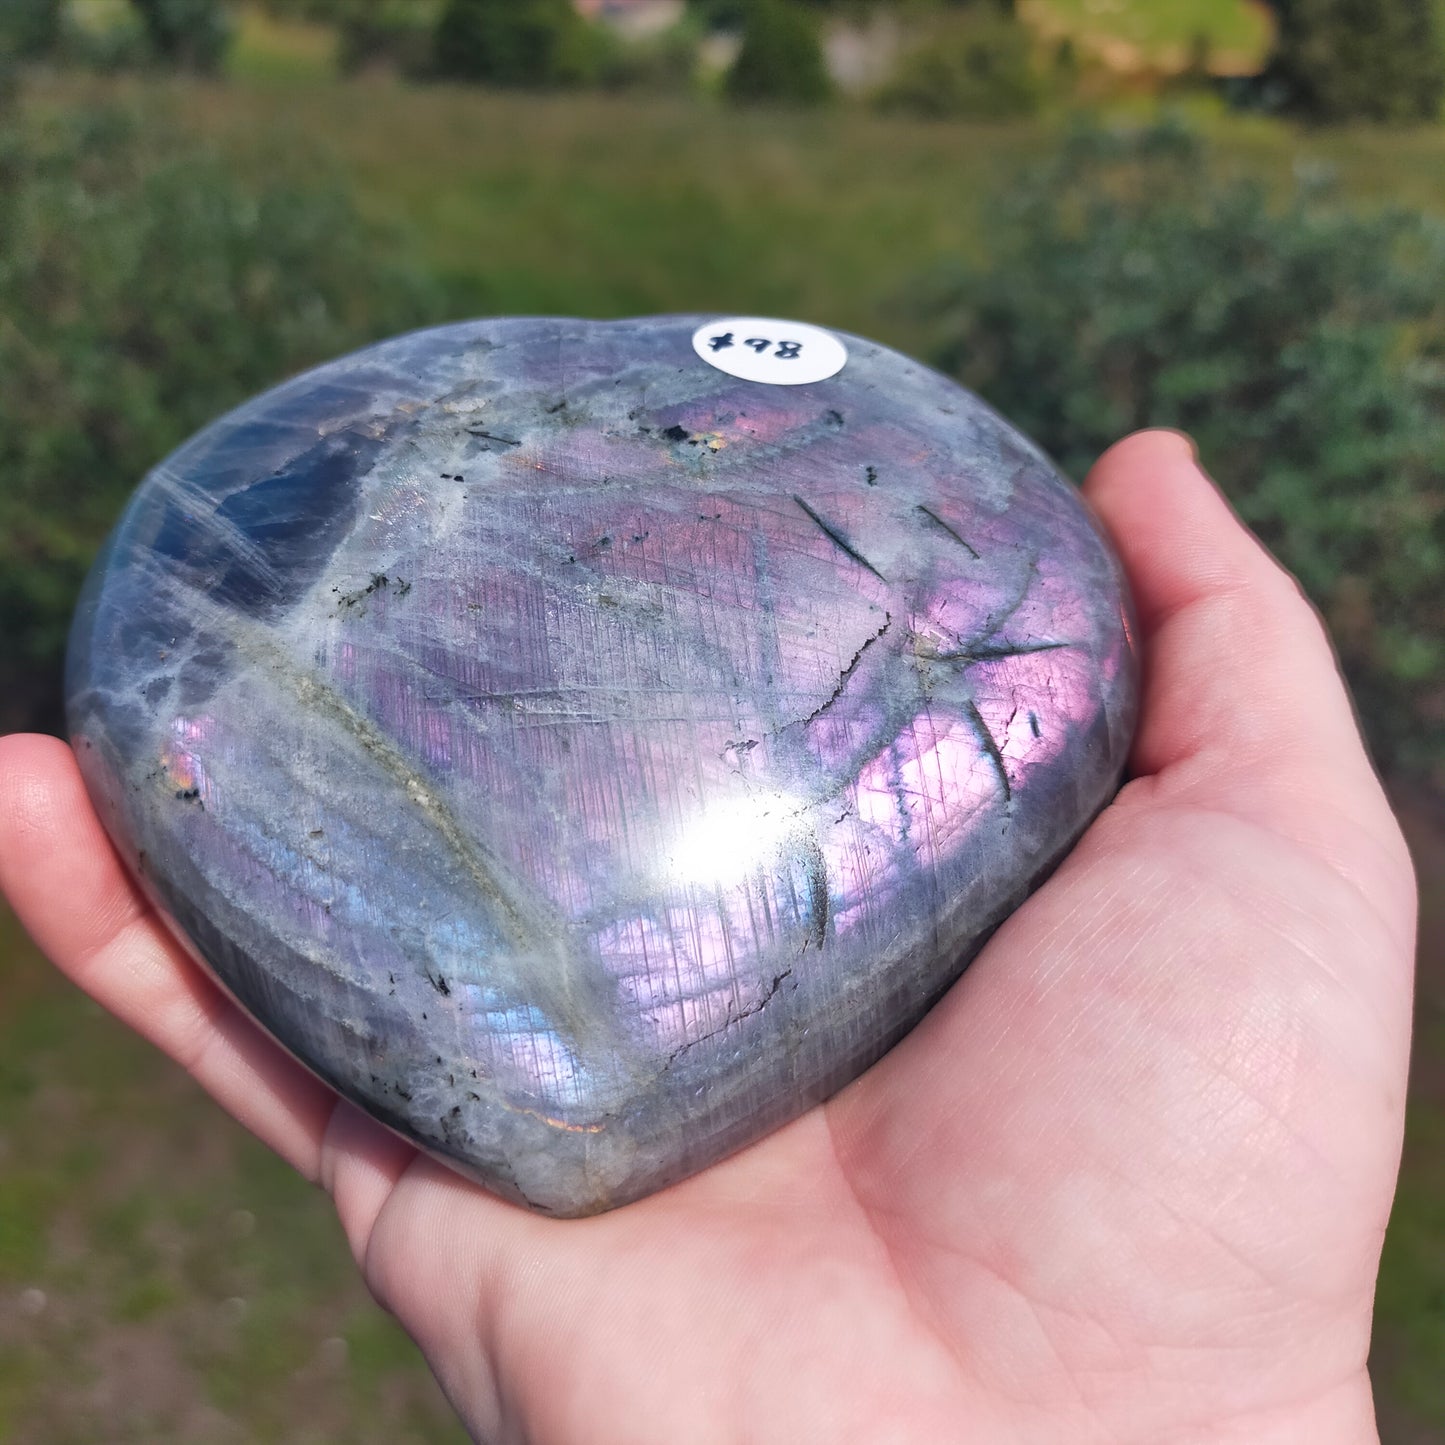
(585, 760)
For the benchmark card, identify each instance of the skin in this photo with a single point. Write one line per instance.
(1127, 1182)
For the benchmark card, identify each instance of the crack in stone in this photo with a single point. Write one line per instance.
(993, 654)
(848, 671)
(505, 1168)
(746, 745)
(939, 522)
(732, 1018)
(817, 870)
(990, 746)
(839, 539)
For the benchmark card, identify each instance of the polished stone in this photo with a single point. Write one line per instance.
(586, 760)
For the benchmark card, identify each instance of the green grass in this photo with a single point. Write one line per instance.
(1131, 34)
(192, 1285)
(601, 206)
(1410, 1344)
(270, 50)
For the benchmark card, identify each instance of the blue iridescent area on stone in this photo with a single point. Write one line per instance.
(583, 759)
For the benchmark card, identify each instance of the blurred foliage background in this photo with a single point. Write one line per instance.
(1223, 215)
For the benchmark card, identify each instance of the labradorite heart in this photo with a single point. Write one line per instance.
(585, 759)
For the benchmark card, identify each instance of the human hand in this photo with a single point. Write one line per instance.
(1127, 1182)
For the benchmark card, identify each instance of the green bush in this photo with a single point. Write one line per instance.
(325, 12)
(1301, 343)
(1341, 60)
(105, 38)
(28, 28)
(980, 68)
(525, 43)
(663, 64)
(781, 59)
(397, 34)
(189, 33)
(718, 14)
(142, 292)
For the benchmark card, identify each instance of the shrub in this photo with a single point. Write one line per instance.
(660, 64)
(142, 292)
(1302, 344)
(28, 28)
(524, 43)
(781, 59)
(398, 34)
(1340, 60)
(189, 33)
(105, 38)
(978, 68)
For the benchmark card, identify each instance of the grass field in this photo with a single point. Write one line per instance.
(162, 1280)
(601, 206)
(162, 1277)
(1409, 1341)
(1130, 34)
(268, 49)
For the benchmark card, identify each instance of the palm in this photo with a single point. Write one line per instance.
(1127, 1182)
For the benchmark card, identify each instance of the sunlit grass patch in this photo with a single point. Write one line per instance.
(270, 48)
(1137, 34)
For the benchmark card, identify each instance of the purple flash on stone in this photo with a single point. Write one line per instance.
(585, 760)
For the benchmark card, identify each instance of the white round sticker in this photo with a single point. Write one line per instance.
(779, 353)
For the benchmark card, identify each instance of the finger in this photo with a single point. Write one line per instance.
(1236, 655)
(361, 1163)
(71, 892)
(1243, 705)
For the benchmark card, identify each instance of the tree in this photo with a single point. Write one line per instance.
(1340, 60)
(781, 57)
(525, 43)
(189, 33)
